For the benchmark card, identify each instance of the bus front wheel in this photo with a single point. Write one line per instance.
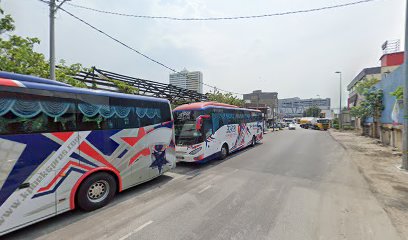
(224, 151)
(96, 191)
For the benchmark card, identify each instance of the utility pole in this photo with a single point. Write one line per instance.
(52, 39)
(405, 71)
(53, 10)
(340, 110)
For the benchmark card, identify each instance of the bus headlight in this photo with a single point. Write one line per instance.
(195, 151)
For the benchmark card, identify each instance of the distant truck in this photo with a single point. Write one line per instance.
(322, 124)
(315, 123)
(308, 122)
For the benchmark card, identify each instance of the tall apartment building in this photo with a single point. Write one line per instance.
(188, 80)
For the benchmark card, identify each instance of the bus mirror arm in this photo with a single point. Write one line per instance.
(199, 121)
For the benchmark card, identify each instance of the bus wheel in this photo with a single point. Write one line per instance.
(96, 191)
(224, 151)
(253, 143)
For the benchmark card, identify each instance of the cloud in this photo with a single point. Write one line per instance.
(295, 55)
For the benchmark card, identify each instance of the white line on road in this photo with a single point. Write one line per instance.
(136, 230)
(204, 189)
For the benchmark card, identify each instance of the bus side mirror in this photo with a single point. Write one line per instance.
(199, 121)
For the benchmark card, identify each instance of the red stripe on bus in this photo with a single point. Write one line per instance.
(144, 152)
(63, 135)
(88, 150)
(60, 174)
(8, 82)
(133, 140)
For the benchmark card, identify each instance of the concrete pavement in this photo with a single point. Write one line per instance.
(295, 185)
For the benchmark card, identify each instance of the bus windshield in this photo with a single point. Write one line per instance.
(185, 127)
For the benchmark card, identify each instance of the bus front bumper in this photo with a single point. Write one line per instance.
(189, 153)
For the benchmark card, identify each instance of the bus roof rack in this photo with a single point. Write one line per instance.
(27, 78)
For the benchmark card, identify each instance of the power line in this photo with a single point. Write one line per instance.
(129, 47)
(224, 18)
(118, 41)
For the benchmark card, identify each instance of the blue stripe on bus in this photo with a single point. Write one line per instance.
(102, 141)
(123, 153)
(28, 78)
(82, 160)
(37, 149)
(91, 92)
(60, 182)
(51, 85)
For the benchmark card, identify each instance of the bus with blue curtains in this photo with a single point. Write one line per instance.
(63, 147)
(211, 130)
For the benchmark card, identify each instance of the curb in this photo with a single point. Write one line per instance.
(341, 144)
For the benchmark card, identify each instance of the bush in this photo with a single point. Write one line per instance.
(336, 126)
(348, 128)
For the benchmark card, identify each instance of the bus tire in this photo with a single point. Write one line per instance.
(96, 191)
(224, 151)
(253, 143)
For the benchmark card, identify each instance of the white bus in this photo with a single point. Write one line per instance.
(63, 147)
(208, 130)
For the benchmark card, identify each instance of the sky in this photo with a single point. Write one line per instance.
(294, 55)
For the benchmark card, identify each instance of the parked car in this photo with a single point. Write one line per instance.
(292, 126)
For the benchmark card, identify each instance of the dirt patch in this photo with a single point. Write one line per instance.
(401, 188)
(379, 166)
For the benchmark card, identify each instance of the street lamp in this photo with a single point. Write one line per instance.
(340, 114)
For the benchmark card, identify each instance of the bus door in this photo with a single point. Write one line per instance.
(207, 132)
(68, 165)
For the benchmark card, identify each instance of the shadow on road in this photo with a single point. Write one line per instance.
(190, 170)
(62, 220)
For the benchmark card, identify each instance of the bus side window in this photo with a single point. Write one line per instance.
(31, 113)
(93, 111)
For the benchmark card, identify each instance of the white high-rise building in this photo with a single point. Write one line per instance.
(188, 80)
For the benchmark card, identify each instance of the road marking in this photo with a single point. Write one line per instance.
(236, 170)
(136, 230)
(204, 189)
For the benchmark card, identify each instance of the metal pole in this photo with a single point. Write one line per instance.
(52, 39)
(341, 114)
(405, 71)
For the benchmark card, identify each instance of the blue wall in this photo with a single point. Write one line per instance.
(389, 83)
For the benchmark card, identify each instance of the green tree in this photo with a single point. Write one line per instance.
(17, 55)
(398, 93)
(370, 106)
(313, 111)
(6, 23)
(365, 84)
(227, 98)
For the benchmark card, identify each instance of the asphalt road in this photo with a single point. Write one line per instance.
(295, 185)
